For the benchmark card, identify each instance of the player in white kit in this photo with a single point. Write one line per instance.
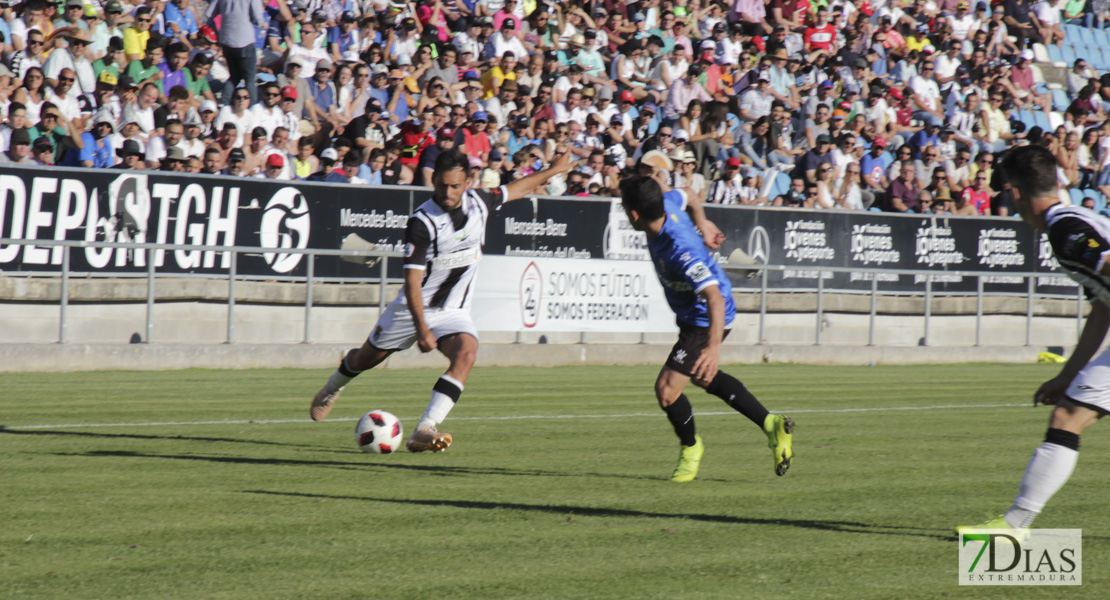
(1080, 240)
(443, 244)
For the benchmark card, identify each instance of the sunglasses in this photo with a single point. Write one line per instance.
(35, 43)
(272, 95)
(66, 80)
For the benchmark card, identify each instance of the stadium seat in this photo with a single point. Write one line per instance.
(1055, 56)
(1055, 119)
(1027, 118)
(1069, 55)
(1060, 100)
(1038, 75)
(1041, 120)
(1074, 34)
(1102, 36)
(1040, 88)
(1076, 196)
(1088, 37)
(1040, 54)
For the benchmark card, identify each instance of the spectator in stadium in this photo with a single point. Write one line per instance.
(19, 149)
(445, 140)
(902, 196)
(728, 189)
(240, 20)
(131, 156)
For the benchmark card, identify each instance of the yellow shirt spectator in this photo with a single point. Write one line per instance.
(134, 41)
(491, 76)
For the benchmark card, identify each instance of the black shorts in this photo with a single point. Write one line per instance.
(691, 341)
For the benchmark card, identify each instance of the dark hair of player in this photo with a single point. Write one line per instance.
(1032, 170)
(643, 195)
(451, 160)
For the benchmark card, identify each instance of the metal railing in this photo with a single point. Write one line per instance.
(383, 281)
(234, 252)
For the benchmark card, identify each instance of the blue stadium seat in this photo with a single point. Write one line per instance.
(1088, 37)
(1054, 54)
(1041, 120)
(1041, 88)
(1074, 34)
(1094, 56)
(1069, 55)
(1102, 37)
(1027, 118)
(1060, 100)
(1076, 196)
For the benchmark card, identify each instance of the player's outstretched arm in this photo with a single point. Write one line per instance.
(1094, 331)
(709, 231)
(705, 367)
(414, 278)
(519, 188)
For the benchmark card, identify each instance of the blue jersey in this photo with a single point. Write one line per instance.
(684, 266)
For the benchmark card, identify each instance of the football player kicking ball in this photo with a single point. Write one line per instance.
(1080, 239)
(443, 244)
(701, 296)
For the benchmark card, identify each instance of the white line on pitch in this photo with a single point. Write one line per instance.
(513, 417)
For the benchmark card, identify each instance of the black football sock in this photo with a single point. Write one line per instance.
(728, 388)
(681, 416)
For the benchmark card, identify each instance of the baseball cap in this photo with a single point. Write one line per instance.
(508, 24)
(75, 4)
(379, 69)
(963, 4)
(409, 23)
(191, 120)
(349, 17)
(733, 162)
(878, 141)
(289, 92)
(108, 78)
(1026, 54)
(649, 108)
(445, 133)
(495, 154)
(236, 154)
(329, 154)
(636, 18)
(627, 96)
(475, 162)
(896, 94)
(126, 82)
(605, 93)
(113, 6)
(521, 121)
(839, 114)
(468, 76)
(275, 160)
(480, 116)
(21, 136)
(175, 153)
(708, 45)
(42, 142)
(616, 120)
(824, 139)
(206, 32)
(825, 85)
(208, 106)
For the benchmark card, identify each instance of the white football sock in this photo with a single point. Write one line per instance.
(1048, 471)
(338, 381)
(446, 392)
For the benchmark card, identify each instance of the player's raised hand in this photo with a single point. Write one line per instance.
(711, 234)
(565, 163)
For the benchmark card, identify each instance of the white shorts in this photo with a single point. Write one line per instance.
(396, 331)
(1092, 384)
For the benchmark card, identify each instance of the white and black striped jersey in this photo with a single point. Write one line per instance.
(447, 247)
(1080, 239)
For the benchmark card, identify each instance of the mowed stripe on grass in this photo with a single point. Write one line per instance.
(556, 487)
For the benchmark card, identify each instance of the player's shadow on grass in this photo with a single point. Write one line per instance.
(431, 469)
(175, 438)
(589, 511)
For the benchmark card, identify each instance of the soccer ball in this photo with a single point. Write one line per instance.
(378, 432)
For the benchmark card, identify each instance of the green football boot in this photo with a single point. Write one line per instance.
(780, 434)
(688, 461)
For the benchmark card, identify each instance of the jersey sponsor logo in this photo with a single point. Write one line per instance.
(698, 272)
(462, 258)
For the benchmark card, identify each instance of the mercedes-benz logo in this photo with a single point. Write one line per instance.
(759, 245)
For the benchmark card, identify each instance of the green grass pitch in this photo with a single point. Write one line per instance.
(214, 484)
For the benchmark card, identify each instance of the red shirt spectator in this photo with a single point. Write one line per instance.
(980, 199)
(416, 139)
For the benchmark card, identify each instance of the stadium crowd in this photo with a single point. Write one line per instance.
(898, 105)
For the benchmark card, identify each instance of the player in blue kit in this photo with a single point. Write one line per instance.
(701, 296)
